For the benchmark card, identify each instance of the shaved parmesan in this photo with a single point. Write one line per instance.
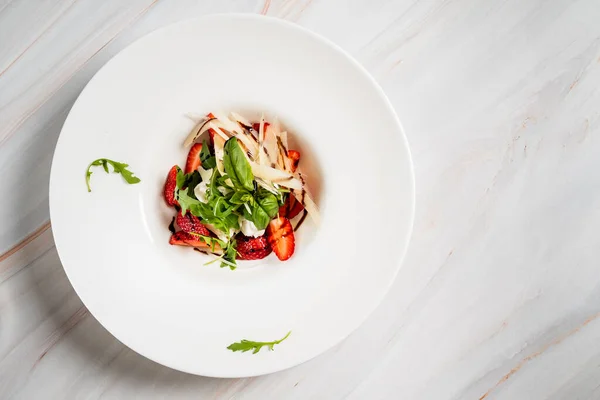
(219, 153)
(227, 124)
(197, 131)
(216, 127)
(241, 119)
(273, 175)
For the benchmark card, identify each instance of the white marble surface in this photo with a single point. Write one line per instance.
(499, 297)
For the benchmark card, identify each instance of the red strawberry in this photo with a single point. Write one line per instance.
(280, 235)
(182, 238)
(294, 156)
(256, 126)
(170, 186)
(178, 238)
(191, 223)
(252, 248)
(211, 132)
(211, 138)
(193, 158)
(291, 207)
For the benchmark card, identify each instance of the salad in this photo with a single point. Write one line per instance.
(242, 194)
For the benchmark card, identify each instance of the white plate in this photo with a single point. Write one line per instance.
(159, 299)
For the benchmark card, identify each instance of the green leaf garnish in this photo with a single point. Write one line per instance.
(236, 166)
(240, 197)
(247, 345)
(211, 241)
(186, 202)
(118, 168)
(192, 180)
(268, 202)
(261, 208)
(228, 257)
(180, 179)
(207, 159)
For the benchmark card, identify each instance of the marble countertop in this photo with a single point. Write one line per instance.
(499, 295)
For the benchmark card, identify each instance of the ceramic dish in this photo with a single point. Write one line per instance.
(160, 300)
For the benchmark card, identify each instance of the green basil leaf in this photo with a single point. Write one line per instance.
(237, 167)
(268, 202)
(259, 217)
(232, 221)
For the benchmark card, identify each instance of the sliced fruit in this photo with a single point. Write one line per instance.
(177, 239)
(211, 136)
(252, 248)
(256, 126)
(193, 158)
(191, 223)
(294, 157)
(291, 207)
(182, 238)
(170, 186)
(280, 235)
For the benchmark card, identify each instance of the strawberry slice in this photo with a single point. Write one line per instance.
(191, 223)
(294, 156)
(211, 136)
(193, 158)
(170, 186)
(280, 235)
(256, 126)
(291, 207)
(182, 238)
(252, 248)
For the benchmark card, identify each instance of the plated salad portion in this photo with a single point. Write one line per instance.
(241, 194)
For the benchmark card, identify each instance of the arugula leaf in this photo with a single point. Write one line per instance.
(237, 167)
(118, 168)
(283, 192)
(241, 197)
(222, 181)
(180, 180)
(223, 219)
(229, 255)
(186, 202)
(247, 345)
(211, 241)
(208, 160)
